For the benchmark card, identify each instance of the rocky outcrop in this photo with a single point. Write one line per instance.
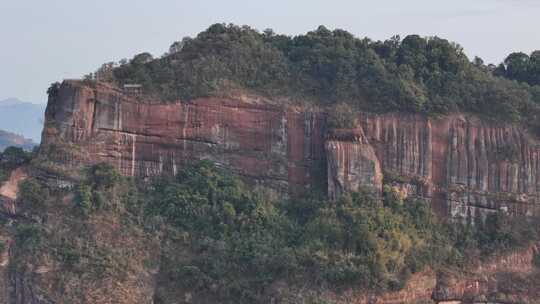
(462, 163)
(351, 163)
(270, 146)
(465, 165)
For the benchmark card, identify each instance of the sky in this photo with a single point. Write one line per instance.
(46, 41)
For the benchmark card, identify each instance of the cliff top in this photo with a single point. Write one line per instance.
(415, 74)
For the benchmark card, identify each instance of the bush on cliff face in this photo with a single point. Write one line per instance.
(427, 75)
(94, 193)
(33, 194)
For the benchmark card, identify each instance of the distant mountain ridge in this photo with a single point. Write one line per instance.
(22, 118)
(8, 139)
(11, 101)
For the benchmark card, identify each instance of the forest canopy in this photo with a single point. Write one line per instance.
(427, 75)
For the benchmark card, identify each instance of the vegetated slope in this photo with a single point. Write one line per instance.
(203, 237)
(8, 139)
(22, 118)
(415, 74)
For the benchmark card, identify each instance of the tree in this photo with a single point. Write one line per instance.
(33, 194)
(177, 46)
(52, 91)
(105, 72)
(142, 58)
(14, 157)
(534, 68)
(478, 62)
(517, 65)
(103, 176)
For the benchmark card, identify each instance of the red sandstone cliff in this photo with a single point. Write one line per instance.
(267, 144)
(462, 163)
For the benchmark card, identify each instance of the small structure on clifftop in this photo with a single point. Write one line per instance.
(132, 89)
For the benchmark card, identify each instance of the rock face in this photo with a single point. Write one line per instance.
(268, 145)
(466, 166)
(352, 162)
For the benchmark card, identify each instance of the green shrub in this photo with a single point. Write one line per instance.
(32, 193)
(28, 237)
(103, 176)
(83, 198)
(94, 192)
(342, 116)
(68, 255)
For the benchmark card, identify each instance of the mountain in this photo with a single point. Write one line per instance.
(247, 167)
(10, 139)
(10, 101)
(22, 118)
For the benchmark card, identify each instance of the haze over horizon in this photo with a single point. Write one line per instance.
(48, 41)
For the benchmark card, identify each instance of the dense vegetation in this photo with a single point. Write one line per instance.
(238, 244)
(249, 242)
(428, 75)
(207, 233)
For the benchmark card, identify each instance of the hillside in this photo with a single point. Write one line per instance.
(22, 118)
(261, 168)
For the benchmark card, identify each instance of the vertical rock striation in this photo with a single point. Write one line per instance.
(352, 163)
(465, 165)
(268, 145)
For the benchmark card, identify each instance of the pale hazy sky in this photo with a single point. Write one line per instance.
(43, 41)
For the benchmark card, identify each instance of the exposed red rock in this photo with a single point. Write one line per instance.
(462, 163)
(264, 143)
(10, 188)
